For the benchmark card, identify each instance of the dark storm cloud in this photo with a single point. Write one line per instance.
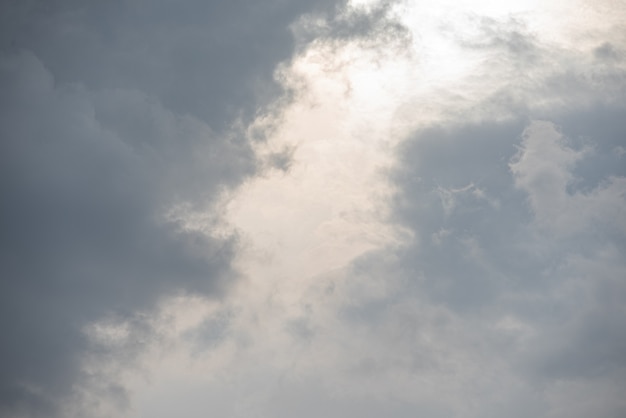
(82, 229)
(205, 58)
(111, 114)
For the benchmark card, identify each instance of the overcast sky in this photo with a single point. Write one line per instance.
(312, 208)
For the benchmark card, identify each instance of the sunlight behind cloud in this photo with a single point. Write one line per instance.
(324, 211)
(306, 223)
(313, 208)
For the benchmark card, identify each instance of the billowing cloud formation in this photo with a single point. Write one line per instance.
(199, 58)
(524, 251)
(116, 120)
(492, 296)
(86, 178)
(444, 234)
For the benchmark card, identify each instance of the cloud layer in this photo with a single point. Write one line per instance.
(117, 120)
(312, 208)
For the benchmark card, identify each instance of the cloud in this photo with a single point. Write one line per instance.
(123, 127)
(207, 59)
(486, 290)
(311, 208)
(539, 264)
(86, 179)
(544, 169)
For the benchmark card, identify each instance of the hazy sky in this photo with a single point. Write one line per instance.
(312, 208)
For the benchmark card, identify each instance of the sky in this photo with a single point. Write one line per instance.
(320, 208)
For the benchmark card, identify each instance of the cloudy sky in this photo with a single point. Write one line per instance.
(313, 208)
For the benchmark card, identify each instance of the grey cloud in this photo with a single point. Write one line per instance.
(282, 396)
(602, 132)
(311, 399)
(372, 26)
(608, 52)
(211, 331)
(529, 311)
(592, 346)
(443, 160)
(113, 114)
(213, 60)
(511, 36)
(545, 250)
(531, 76)
(83, 233)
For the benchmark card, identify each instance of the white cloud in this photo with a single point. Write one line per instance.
(544, 169)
